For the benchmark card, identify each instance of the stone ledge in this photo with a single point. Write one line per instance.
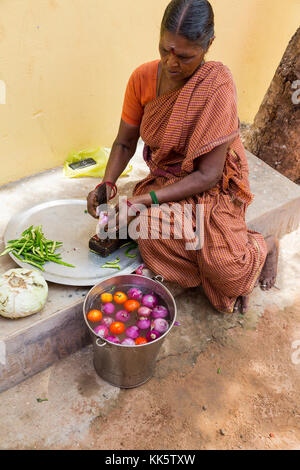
(36, 347)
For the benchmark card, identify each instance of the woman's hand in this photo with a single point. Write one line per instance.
(93, 203)
(115, 227)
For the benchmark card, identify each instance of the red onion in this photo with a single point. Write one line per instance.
(143, 323)
(159, 312)
(152, 335)
(132, 332)
(103, 218)
(123, 315)
(107, 321)
(108, 308)
(144, 312)
(149, 300)
(113, 339)
(140, 270)
(101, 330)
(135, 294)
(128, 342)
(160, 324)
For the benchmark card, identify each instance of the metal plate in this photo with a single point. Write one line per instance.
(66, 221)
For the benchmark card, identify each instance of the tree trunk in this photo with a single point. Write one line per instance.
(275, 134)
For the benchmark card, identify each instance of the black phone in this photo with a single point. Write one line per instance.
(82, 164)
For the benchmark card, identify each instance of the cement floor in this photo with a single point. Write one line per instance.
(221, 382)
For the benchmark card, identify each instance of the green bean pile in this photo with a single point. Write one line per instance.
(33, 248)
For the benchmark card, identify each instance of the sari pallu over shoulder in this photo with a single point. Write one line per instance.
(180, 126)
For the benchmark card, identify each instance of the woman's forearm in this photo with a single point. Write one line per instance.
(119, 157)
(208, 172)
(193, 184)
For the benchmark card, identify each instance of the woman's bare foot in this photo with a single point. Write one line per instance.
(268, 274)
(241, 304)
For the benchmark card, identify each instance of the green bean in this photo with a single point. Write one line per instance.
(35, 264)
(34, 248)
(125, 244)
(22, 249)
(128, 250)
(7, 250)
(113, 262)
(63, 263)
(111, 266)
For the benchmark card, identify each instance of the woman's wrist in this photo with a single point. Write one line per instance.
(144, 199)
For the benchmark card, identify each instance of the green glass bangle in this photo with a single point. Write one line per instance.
(154, 197)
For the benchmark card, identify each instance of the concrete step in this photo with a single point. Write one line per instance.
(29, 345)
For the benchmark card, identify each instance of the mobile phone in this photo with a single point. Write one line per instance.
(82, 164)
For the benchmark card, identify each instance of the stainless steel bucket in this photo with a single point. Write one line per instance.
(120, 365)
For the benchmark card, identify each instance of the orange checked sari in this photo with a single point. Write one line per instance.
(178, 128)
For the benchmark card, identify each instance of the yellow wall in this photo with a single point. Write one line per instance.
(65, 64)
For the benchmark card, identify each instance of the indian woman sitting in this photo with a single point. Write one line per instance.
(185, 110)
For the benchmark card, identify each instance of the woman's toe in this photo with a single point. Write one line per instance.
(245, 302)
(237, 304)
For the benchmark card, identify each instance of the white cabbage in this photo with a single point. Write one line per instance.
(22, 293)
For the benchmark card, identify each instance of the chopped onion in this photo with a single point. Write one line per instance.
(139, 270)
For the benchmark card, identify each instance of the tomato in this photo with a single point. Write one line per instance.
(106, 297)
(94, 316)
(131, 305)
(120, 297)
(141, 340)
(117, 328)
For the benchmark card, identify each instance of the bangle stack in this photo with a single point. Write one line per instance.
(112, 185)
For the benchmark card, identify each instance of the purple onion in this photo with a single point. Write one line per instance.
(107, 321)
(149, 300)
(143, 323)
(103, 218)
(135, 294)
(140, 270)
(101, 331)
(108, 308)
(160, 324)
(123, 315)
(159, 312)
(113, 339)
(144, 312)
(132, 332)
(152, 335)
(128, 342)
